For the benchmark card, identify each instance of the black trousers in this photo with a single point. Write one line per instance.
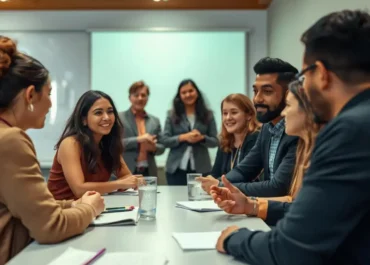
(142, 171)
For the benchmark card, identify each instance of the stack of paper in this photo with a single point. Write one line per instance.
(76, 256)
(197, 241)
(128, 192)
(199, 206)
(118, 218)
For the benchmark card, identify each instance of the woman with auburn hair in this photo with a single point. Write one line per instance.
(239, 133)
(300, 121)
(27, 208)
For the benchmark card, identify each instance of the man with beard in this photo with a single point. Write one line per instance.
(140, 133)
(328, 222)
(274, 151)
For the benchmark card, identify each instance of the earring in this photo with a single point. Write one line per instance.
(30, 107)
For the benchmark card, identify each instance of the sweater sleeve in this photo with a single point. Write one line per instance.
(26, 196)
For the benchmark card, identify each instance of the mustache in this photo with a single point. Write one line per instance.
(261, 106)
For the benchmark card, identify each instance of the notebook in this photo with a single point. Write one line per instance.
(75, 256)
(197, 241)
(119, 218)
(128, 192)
(199, 206)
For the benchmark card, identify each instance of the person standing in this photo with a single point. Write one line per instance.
(189, 131)
(141, 133)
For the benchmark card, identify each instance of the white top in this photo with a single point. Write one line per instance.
(188, 154)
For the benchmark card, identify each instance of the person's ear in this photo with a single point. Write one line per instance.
(321, 76)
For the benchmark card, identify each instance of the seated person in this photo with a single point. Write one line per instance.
(90, 151)
(299, 119)
(239, 133)
(27, 208)
(328, 222)
(274, 151)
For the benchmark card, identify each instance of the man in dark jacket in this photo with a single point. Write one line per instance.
(328, 223)
(274, 151)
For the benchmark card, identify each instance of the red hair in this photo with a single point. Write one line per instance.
(227, 140)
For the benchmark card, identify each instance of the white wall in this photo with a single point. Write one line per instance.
(255, 20)
(288, 19)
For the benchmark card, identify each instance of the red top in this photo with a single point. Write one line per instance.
(58, 184)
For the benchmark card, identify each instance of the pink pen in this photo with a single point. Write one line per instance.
(97, 255)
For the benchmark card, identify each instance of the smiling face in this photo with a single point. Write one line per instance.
(295, 117)
(268, 97)
(139, 99)
(233, 118)
(100, 117)
(41, 107)
(188, 94)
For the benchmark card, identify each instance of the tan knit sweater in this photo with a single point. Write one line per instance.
(27, 208)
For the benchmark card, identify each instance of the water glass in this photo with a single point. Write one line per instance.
(148, 198)
(195, 191)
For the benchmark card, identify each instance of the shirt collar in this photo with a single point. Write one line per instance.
(278, 129)
(139, 114)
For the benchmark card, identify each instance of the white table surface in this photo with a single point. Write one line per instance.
(148, 236)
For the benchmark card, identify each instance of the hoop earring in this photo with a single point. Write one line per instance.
(30, 107)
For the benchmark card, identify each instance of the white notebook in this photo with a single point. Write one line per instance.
(119, 218)
(197, 241)
(199, 206)
(128, 192)
(75, 256)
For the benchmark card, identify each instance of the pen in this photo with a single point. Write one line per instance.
(97, 255)
(121, 208)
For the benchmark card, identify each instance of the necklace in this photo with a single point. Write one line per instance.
(237, 154)
(6, 122)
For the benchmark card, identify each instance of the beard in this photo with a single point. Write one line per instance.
(269, 115)
(320, 106)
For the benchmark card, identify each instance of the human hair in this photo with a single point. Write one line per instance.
(341, 41)
(17, 72)
(137, 86)
(227, 140)
(286, 72)
(202, 113)
(110, 147)
(304, 149)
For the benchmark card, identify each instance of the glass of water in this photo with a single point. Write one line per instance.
(148, 198)
(194, 187)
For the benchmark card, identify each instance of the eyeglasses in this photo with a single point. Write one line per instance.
(297, 84)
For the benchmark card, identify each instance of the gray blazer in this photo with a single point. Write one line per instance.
(200, 150)
(130, 144)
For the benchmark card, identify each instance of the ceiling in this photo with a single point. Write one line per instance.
(131, 4)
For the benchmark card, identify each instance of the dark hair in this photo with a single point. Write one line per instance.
(18, 71)
(110, 145)
(286, 72)
(202, 113)
(341, 41)
(136, 86)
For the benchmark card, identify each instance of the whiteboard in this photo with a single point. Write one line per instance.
(67, 57)
(216, 61)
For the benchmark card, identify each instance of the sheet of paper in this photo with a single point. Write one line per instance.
(75, 256)
(197, 241)
(110, 218)
(128, 192)
(201, 206)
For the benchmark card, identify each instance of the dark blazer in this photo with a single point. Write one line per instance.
(328, 222)
(170, 139)
(222, 163)
(130, 144)
(258, 158)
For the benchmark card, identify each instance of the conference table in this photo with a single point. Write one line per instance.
(149, 236)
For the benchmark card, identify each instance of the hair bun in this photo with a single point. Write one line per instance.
(7, 49)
